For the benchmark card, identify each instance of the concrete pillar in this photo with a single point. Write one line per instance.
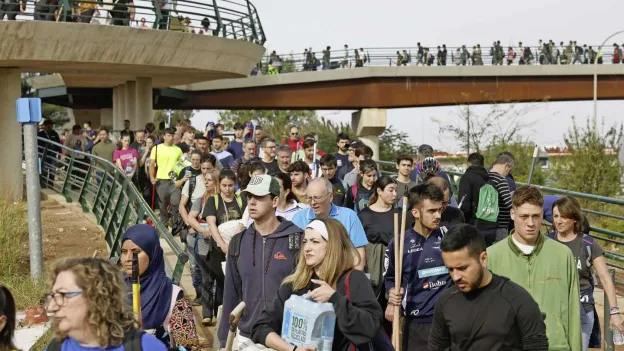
(11, 182)
(120, 100)
(116, 105)
(144, 102)
(106, 117)
(131, 97)
(368, 125)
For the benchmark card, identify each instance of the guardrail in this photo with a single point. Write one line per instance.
(234, 19)
(103, 189)
(389, 56)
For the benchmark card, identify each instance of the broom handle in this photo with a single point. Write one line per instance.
(397, 284)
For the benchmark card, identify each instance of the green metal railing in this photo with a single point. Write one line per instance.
(103, 189)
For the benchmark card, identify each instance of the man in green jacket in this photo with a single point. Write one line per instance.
(543, 267)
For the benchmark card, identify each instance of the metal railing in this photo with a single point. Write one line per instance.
(103, 189)
(409, 56)
(234, 19)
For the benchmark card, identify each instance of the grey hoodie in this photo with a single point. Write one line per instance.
(263, 263)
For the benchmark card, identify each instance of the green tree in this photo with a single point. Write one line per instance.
(593, 166)
(57, 114)
(176, 116)
(289, 65)
(393, 143)
(275, 123)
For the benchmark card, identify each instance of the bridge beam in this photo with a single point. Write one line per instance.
(144, 102)
(11, 182)
(369, 124)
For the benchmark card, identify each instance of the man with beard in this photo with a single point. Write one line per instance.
(424, 275)
(482, 311)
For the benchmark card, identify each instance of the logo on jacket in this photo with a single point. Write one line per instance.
(280, 256)
(434, 285)
(431, 272)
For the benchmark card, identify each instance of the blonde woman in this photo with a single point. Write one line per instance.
(327, 260)
(90, 309)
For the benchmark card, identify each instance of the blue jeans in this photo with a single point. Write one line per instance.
(587, 324)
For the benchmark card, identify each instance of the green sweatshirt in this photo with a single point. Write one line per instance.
(549, 274)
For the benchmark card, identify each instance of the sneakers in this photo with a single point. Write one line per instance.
(206, 321)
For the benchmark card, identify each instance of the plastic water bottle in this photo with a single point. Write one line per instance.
(308, 323)
(618, 339)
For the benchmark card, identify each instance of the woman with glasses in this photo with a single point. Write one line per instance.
(324, 270)
(164, 311)
(7, 319)
(90, 309)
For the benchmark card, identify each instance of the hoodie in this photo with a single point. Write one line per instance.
(263, 263)
(469, 186)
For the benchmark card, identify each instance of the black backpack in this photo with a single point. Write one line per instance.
(294, 246)
(131, 341)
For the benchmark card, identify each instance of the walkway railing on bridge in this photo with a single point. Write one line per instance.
(389, 56)
(103, 189)
(234, 19)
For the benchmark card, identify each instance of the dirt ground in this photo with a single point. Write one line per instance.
(67, 232)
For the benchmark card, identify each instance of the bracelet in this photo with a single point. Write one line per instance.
(614, 310)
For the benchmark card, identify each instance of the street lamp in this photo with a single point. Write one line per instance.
(596, 77)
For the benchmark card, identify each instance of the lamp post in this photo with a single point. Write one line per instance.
(596, 78)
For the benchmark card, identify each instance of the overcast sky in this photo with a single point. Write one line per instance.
(292, 27)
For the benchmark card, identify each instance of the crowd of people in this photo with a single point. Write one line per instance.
(544, 53)
(265, 220)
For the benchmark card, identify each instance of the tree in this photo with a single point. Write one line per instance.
(57, 114)
(176, 116)
(476, 130)
(289, 65)
(593, 166)
(393, 143)
(274, 122)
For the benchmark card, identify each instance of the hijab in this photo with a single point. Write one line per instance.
(156, 287)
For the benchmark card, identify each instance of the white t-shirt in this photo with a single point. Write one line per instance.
(198, 191)
(527, 249)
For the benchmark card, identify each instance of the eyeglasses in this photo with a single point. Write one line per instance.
(316, 199)
(60, 298)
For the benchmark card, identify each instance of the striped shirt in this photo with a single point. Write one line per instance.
(504, 198)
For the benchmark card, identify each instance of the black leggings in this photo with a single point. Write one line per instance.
(215, 258)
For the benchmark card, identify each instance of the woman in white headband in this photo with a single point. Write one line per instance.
(326, 262)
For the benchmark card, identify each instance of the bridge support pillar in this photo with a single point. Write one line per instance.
(368, 125)
(131, 97)
(11, 182)
(119, 107)
(144, 109)
(106, 117)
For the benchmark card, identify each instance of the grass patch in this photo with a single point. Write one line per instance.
(14, 260)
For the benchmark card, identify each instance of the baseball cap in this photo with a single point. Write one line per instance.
(355, 144)
(44, 122)
(262, 185)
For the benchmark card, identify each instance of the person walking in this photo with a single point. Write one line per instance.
(326, 273)
(568, 224)
(163, 158)
(482, 311)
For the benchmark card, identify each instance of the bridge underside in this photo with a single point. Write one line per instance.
(373, 92)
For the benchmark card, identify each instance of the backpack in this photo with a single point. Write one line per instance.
(294, 246)
(381, 342)
(487, 209)
(131, 341)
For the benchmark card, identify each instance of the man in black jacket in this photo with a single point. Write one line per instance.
(482, 311)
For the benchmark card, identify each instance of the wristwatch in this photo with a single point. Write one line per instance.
(614, 310)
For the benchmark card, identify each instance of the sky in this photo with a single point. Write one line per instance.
(290, 28)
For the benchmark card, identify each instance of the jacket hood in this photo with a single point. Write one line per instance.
(285, 228)
(480, 171)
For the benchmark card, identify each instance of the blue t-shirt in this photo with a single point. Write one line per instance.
(148, 342)
(347, 217)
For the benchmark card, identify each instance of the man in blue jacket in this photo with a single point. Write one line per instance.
(424, 276)
(258, 259)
